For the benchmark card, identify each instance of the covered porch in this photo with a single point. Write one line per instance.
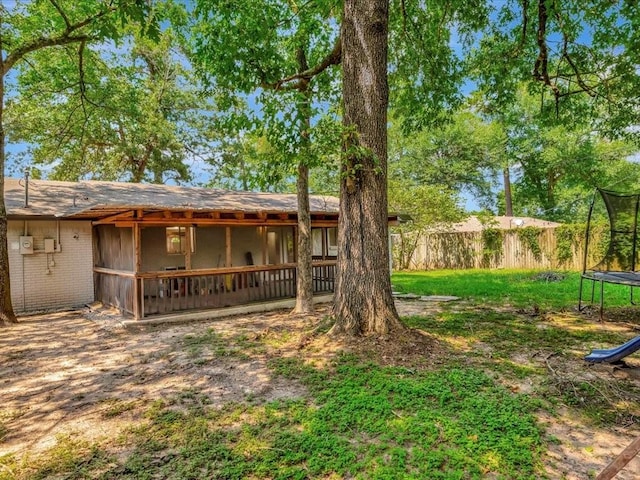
(156, 262)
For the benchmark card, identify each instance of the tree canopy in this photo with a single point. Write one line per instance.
(566, 52)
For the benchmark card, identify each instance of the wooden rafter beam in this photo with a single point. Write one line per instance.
(114, 218)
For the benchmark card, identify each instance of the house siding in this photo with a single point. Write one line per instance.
(113, 247)
(69, 282)
(245, 240)
(210, 248)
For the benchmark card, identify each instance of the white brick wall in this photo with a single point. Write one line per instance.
(69, 282)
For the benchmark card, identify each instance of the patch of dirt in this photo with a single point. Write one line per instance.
(63, 373)
(578, 452)
(72, 372)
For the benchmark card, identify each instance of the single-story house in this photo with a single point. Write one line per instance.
(156, 249)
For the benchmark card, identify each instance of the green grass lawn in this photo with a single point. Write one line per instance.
(519, 288)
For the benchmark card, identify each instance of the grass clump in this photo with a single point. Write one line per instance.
(114, 407)
(213, 343)
(69, 458)
(443, 424)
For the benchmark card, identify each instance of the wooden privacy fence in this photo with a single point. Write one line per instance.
(529, 247)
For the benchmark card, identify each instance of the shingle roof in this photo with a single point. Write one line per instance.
(94, 199)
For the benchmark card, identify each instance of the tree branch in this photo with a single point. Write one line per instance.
(541, 66)
(62, 14)
(525, 25)
(81, 84)
(333, 58)
(37, 44)
(64, 38)
(578, 76)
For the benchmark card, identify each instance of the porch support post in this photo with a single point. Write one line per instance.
(295, 244)
(138, 309)
(263, 237)
(325, 244)
(189, 230)
(187, 245)
(227, 244)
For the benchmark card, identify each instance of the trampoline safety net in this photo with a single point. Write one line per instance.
(621, 253)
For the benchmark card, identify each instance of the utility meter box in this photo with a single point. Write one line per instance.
(49, 245)
(26, 245)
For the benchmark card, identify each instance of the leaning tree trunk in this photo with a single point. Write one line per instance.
(6, 309)
(304, 285)
(363, 303)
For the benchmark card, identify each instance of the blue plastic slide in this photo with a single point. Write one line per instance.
(614, 354)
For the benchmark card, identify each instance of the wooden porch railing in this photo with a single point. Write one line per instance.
(115, 288)
(173, 291)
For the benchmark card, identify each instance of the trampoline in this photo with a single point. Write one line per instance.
(617, 262)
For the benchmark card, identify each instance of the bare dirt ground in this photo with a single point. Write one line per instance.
(65, 373)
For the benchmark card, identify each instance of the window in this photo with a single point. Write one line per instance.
(177, 240)
(324, 242)
(332, 241)
(316, 242)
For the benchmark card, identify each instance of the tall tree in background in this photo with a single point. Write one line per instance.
(556, 163)
(363, 302)
(279, 54)
(29, 27)
(460, 154)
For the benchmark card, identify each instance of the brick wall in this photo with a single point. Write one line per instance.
(52, 281)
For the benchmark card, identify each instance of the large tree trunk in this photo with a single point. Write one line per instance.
(6, 309)
(363, 303)
(304, 278)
